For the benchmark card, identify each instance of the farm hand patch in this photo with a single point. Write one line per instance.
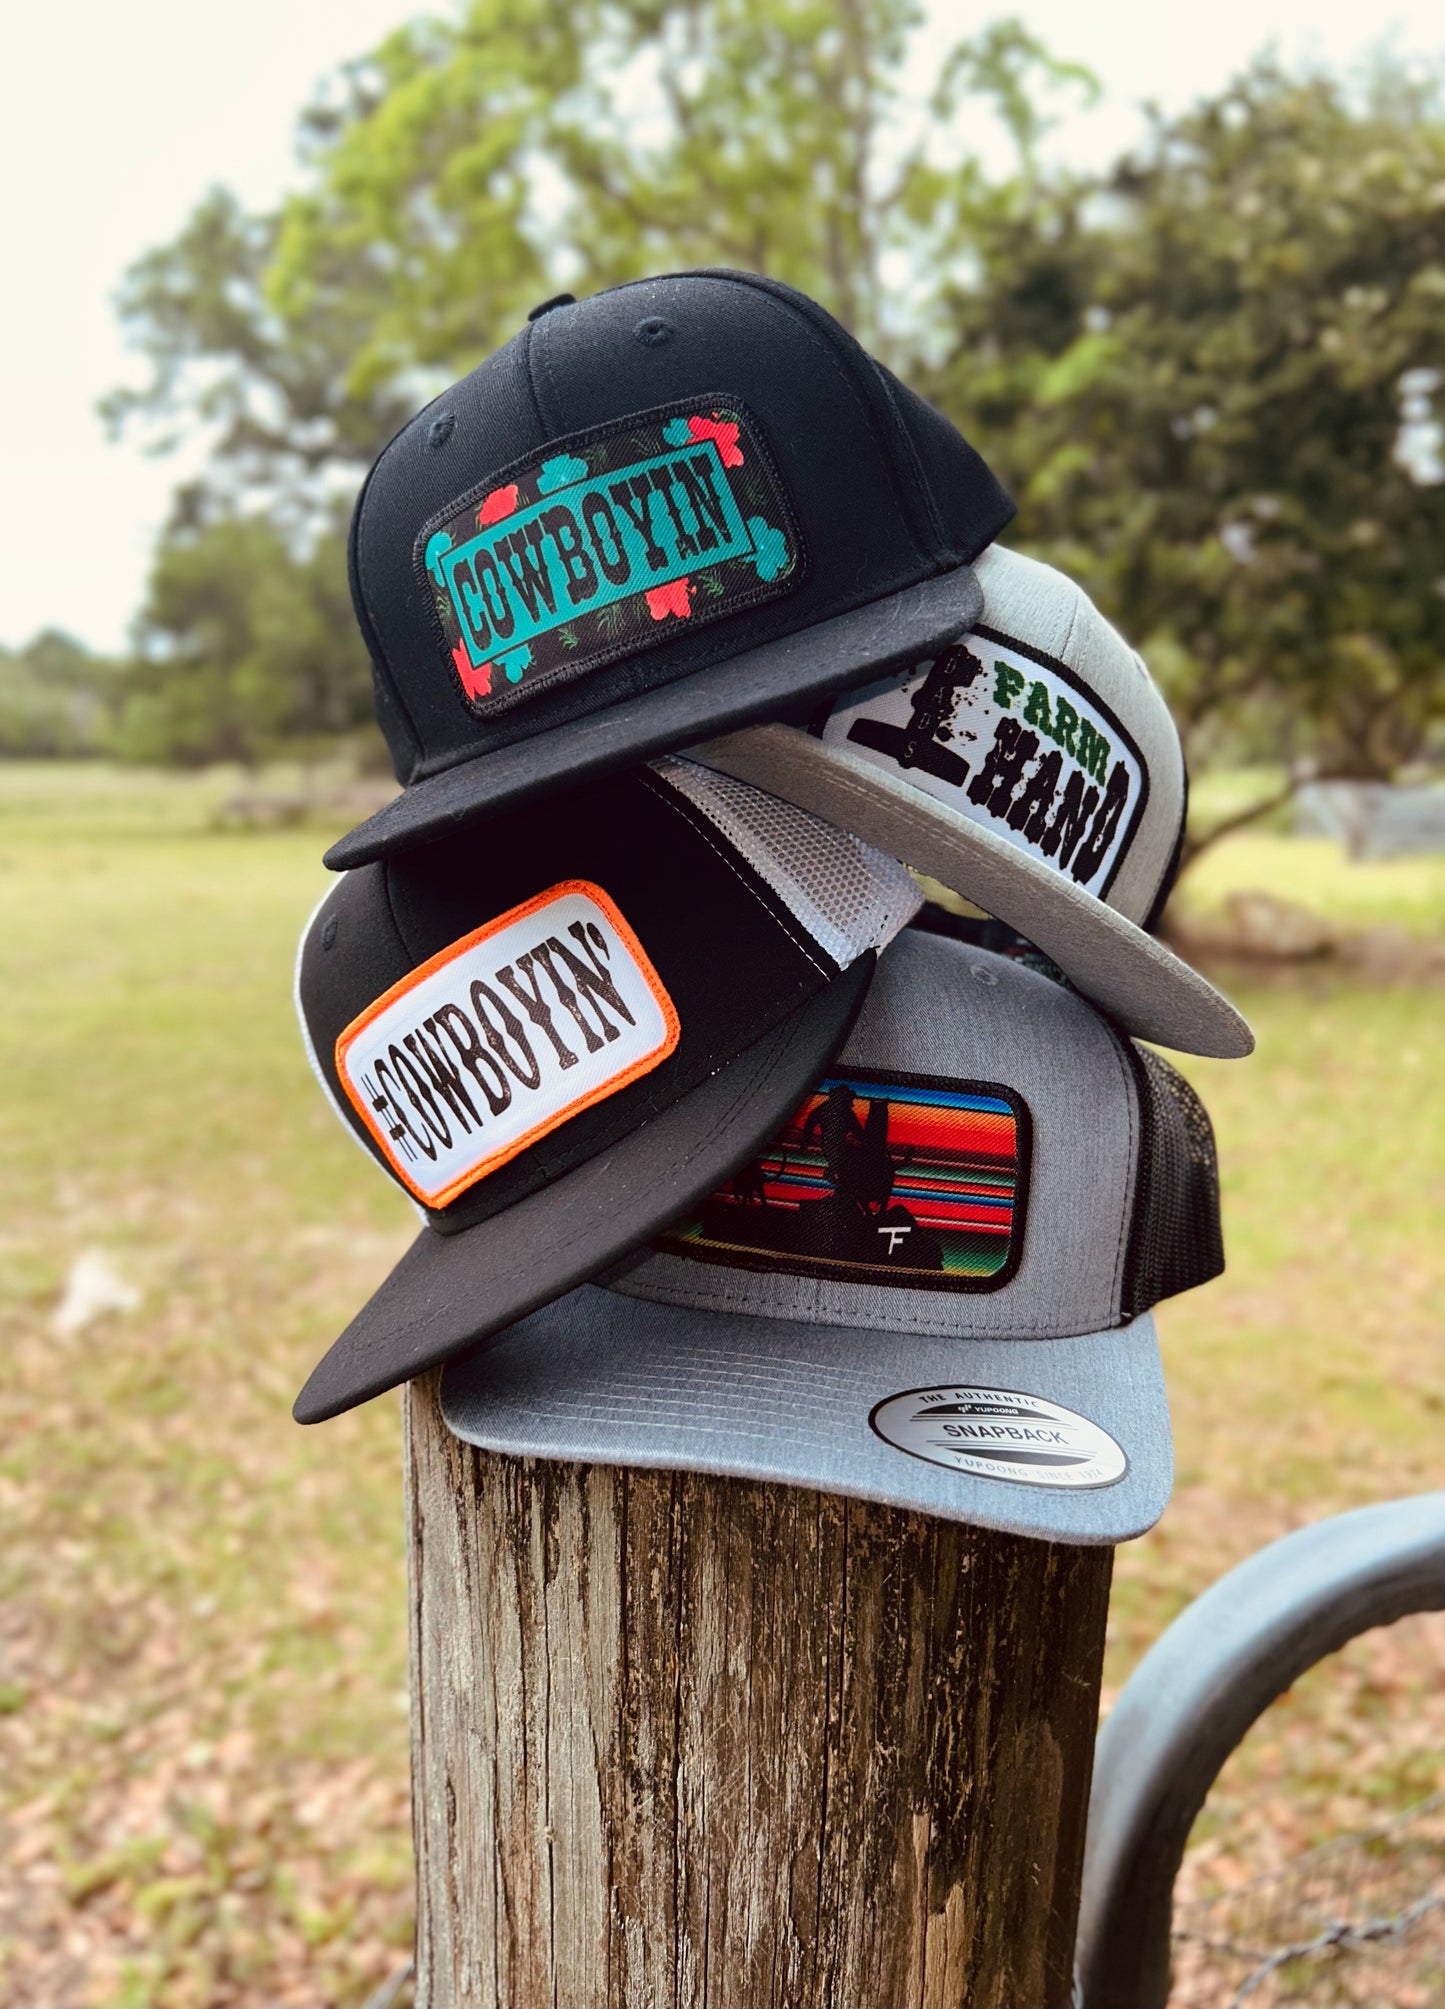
(553, 568)
(503, 1036)
(1003, 735)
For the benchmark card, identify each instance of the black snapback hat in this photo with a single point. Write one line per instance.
(560, 1029)
(654, 515)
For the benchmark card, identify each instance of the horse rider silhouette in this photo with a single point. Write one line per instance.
(860, 1166)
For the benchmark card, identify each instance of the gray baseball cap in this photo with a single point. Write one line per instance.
(934, 1289)
(1033, 767)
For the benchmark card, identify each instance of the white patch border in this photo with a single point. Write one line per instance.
(596, 1092)
(990, 1474)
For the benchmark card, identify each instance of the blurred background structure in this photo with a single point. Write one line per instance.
(1204, 345)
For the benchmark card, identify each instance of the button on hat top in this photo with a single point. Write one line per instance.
(642, 495)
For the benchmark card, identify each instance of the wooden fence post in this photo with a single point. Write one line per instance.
(696, 1742)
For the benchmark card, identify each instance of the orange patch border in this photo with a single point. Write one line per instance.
(452, 953)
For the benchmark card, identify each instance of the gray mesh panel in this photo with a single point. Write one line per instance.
(849, 896)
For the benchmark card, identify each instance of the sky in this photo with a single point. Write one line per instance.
(114, 121)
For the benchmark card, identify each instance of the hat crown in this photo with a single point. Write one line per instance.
(562, 979)
(987, 1158)
(822, 483)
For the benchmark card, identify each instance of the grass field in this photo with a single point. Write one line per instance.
(202, 1695)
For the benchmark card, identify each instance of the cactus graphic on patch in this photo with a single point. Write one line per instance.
(610, 542)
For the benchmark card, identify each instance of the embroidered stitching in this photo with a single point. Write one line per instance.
(577, 558)
(1018, 783)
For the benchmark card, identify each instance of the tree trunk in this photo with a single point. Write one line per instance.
(689, 1741)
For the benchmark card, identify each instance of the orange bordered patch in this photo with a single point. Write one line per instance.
(504, 1035)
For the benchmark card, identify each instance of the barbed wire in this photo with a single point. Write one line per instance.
(1357, 1838)
(389, 1994)
(1337, 1937)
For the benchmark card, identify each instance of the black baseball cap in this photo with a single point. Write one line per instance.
(560, 1029)
(657, 514)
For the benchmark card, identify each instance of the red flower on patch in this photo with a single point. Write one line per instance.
(724, 433)
(477, 683)
(501, 502)
(670, 599)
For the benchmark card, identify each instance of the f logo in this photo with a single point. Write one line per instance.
(895, 1236)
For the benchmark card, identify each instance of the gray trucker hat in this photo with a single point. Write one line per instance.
(933, 1289)
(1032, 767)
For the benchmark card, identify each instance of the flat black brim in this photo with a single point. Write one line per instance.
(449, 1291)
(781, 675)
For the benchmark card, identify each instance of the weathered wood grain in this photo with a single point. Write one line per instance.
(699, 1743)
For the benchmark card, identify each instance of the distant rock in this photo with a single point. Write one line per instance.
(1258, 927)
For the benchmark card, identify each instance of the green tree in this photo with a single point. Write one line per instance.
(56, 699)
(271, 394)
(467, 168)
(1208, 379)
(245, 649)
(1211, 392)
(462, 171)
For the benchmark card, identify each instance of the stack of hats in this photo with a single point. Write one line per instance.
(690, 638)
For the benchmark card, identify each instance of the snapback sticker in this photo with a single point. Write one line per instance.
(894, 1180)
(996, 1433)
(499, 1038)
(553, 567)
(1006, 737)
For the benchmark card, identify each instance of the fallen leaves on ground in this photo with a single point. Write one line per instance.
(203, 1764)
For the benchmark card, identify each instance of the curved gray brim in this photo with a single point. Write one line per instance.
(602, 1378)
(1143, 985)
(787, 674)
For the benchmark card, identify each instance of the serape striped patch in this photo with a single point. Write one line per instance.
(897, 1180)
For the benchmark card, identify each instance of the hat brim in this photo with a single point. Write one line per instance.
(604, 1378)
(787, 673)
(1142, 985)
(449, 1291)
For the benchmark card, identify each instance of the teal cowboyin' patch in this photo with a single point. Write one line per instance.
(605, 547)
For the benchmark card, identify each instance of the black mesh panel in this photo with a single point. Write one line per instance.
(1175, 1240)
